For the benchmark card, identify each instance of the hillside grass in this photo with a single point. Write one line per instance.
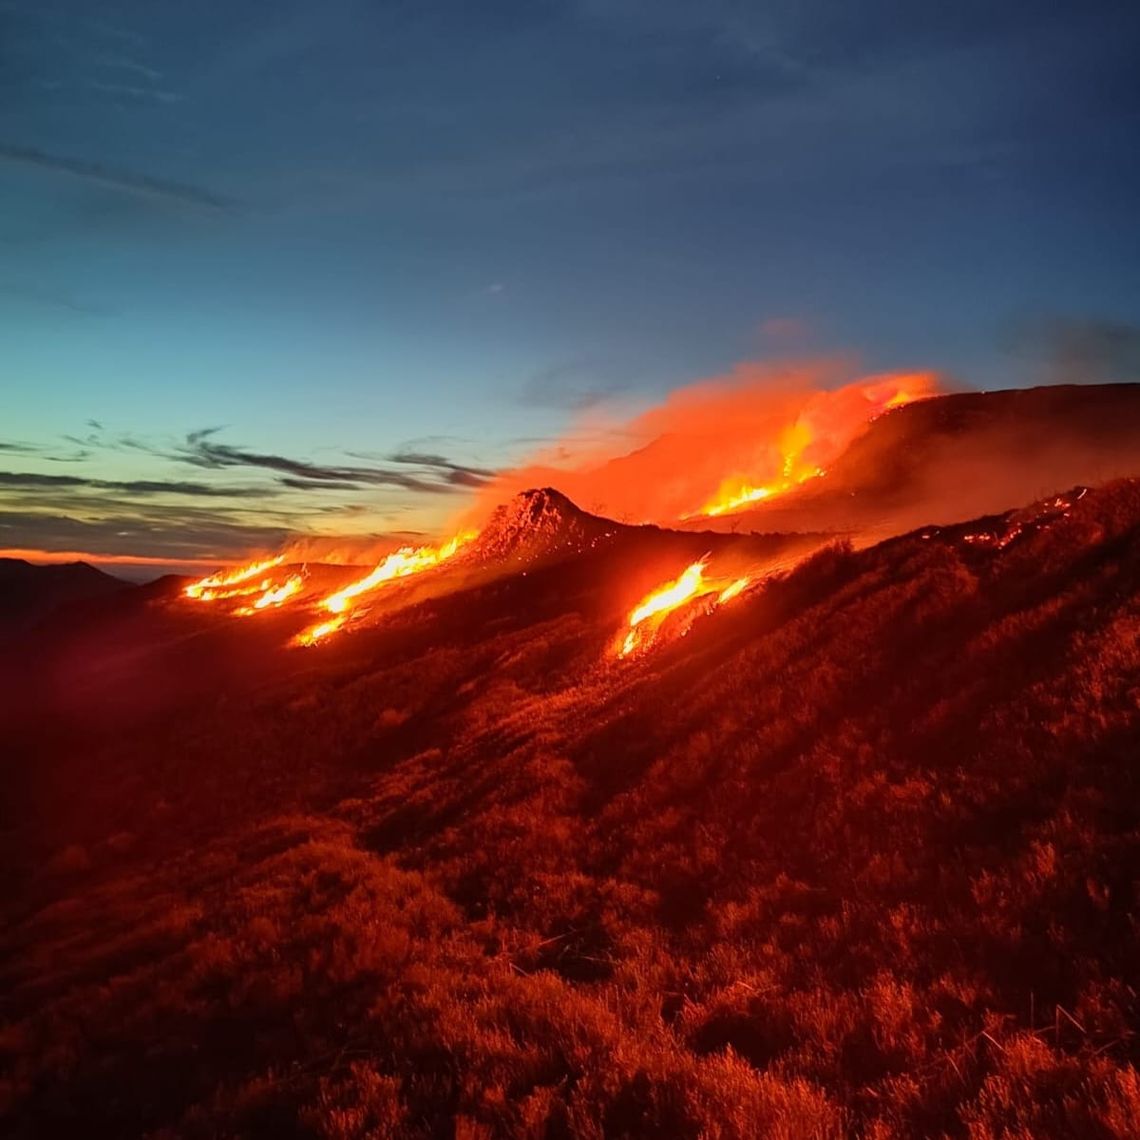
(856, 856)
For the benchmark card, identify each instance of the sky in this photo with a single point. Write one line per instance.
(274, 268)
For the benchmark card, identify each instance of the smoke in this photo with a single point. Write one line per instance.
(1079, 350)
(753, 426)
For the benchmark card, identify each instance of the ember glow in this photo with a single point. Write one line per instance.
(646, 618)
(234, 583)
(401, 564)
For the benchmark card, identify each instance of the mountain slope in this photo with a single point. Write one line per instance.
(539, 525)
(29, 592)
(951, 458)
(833, 863)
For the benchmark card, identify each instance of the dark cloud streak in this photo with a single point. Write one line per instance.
(431, 474)
(124, 181)
(575, 386)
(128, 534)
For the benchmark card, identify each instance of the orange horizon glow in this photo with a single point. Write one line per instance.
(54, 557)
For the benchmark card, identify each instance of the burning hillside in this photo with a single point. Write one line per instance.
(536, 528)
(694, 586)
(958, 456)
(716, 446)
(853, 856)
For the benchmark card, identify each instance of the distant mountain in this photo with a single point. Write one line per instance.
(29, 592)
(954, 457)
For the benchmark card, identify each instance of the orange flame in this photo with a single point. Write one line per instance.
(275, 596)
(731, 591)
(648, 615)
(320, 632)
(671, 595)
(234, 584)
(801, 442)
(401, 564)
(745, 436)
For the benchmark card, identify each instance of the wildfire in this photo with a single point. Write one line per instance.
(648, 615)
(274, 596)
(813, 436)
(730, 591)
(404, 562)
(319, 632)
(235, 583)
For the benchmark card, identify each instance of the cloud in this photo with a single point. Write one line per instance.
(134, 91)
(455, 474)
(124, 181)
(26, 480)
(211, 515)
(430, 474)
(306, 485)
(50, 299)
(176, 537)
(573, 385)
(122, 63)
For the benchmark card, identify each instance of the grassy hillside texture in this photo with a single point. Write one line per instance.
(856, 856)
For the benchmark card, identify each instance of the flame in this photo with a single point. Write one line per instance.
(281, 594)
(746, 436)
(404, 562)
(730, 591)
(235, 583)
(671, 595)
(692, 583)
(274, 596)
(800, 443)
(320, 632)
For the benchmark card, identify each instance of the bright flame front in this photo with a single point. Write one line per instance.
(234, 583)
(646, 617)
(274, 596)
(401, 564)
(818, 436)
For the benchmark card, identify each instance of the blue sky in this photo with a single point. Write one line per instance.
(384, 247)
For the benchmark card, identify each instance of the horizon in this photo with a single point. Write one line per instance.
(289, 272)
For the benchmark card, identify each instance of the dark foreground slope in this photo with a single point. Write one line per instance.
(28, 593)
(857, 856)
